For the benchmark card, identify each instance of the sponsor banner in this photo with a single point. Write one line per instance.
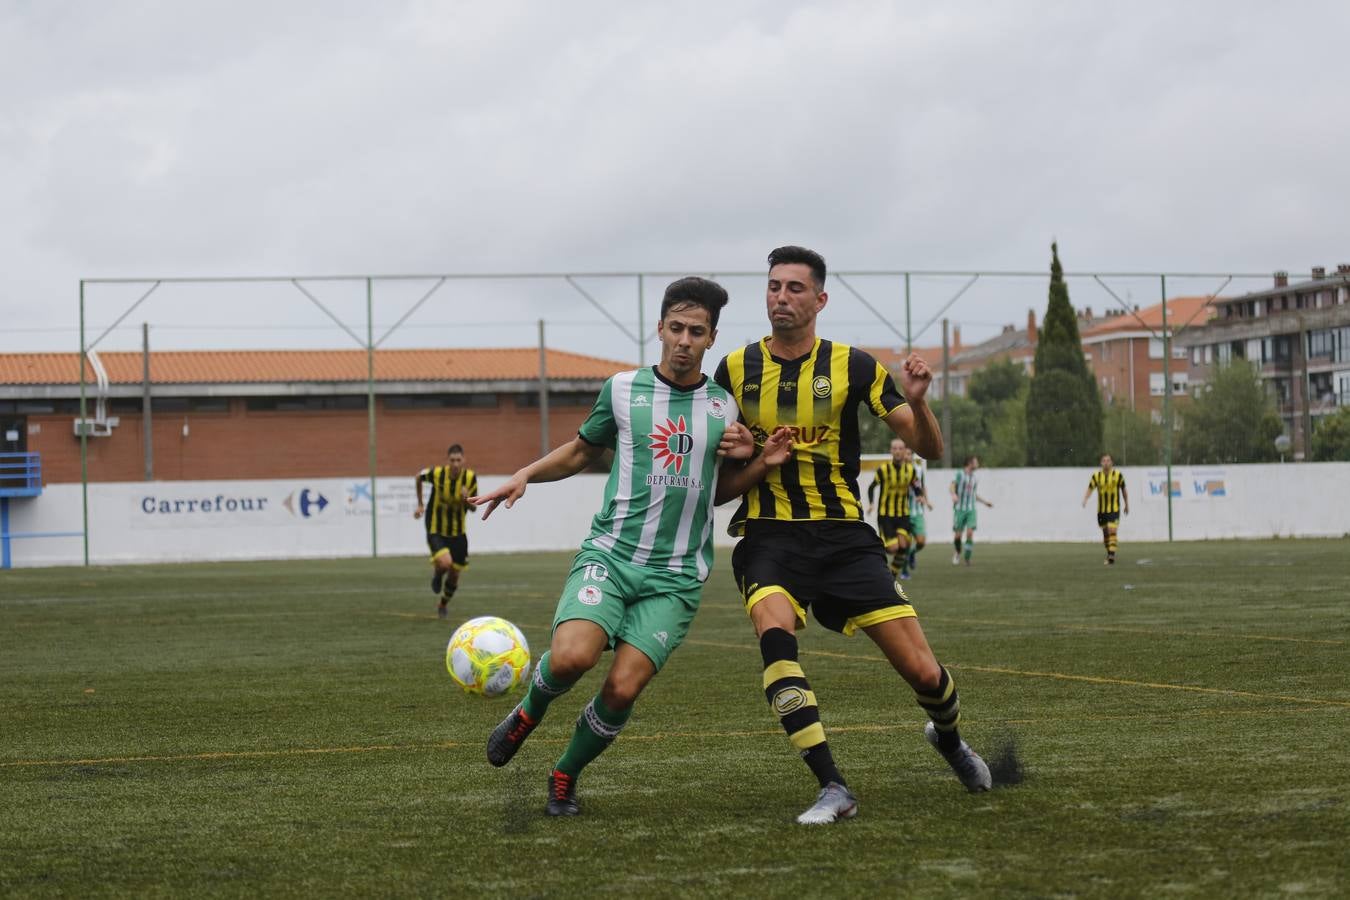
(1188, 483)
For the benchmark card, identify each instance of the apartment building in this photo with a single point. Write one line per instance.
(1298, 337)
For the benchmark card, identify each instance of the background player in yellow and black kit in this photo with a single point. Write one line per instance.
(805, 543)
(1111, 499)
(897, 482)
(447, 540)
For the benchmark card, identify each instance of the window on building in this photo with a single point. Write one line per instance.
(188, 404)
(1209, 354)
(1156, 383)
(1155, 348)
(1223, 353)
(306, 403)
(485, 400)
(530, 400)
(1181, 382)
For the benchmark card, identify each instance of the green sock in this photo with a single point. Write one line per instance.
(544, 689)
(597, 727)
(970, 546)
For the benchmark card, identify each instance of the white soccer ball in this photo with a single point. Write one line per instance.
(487, 655)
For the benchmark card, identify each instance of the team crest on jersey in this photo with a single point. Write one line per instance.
(672, 444)
(821, 386)
(717, 408)
(590, 595)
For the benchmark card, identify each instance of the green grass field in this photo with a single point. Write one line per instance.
(288, 728)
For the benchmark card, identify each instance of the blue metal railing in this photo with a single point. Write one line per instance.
(20, 474)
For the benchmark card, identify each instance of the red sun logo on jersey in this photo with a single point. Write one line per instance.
(672, 443)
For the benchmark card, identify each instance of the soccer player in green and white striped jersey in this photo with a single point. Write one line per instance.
(964, 499)
(637, 581)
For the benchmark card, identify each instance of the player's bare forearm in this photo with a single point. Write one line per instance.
(562, 462)
(915, 424)
(734, 480)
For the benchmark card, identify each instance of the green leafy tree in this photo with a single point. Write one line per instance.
(1231, 421)
(999, 381)
(1064, 409)
(1000, 390)
(1007, 427)
(1131, 437)
(1331, 437)
(967, 435)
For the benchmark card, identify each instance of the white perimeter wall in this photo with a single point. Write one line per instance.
(219, 520)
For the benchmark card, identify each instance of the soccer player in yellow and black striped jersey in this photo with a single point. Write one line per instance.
(447, 540)
(899, 487)
(1112, 499)
(805, 544)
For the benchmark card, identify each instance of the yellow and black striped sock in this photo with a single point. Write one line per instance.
(1111, 543)
(790, 695)
(943, 706)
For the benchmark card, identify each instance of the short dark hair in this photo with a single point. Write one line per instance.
(695, 291)
(809, 258)
(971, 458)
(454, 448)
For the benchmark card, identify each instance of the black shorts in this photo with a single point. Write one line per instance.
(1104, 519)
(836, 569)
(890, 526)
(458, 547)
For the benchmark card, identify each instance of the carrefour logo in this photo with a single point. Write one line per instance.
(305, 503)
(172, 506)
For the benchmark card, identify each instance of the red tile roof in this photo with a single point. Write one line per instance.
(1181, 312)
(272, 366)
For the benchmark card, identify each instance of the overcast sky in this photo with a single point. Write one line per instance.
(271, 138)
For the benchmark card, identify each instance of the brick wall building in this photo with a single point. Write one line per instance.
(284, 414)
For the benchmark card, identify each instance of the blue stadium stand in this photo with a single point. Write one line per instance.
(20, 477)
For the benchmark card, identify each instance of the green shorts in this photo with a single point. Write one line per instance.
(963, 519)
(648, 608)
(918, 527)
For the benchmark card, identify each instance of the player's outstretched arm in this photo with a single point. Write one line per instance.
(1087, 494)
(563, 462)
(417, 482)
(735, 480)
(1125, 498)
(914, 422)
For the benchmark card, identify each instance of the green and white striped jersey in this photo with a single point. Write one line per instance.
(965, 492)
(658, 504)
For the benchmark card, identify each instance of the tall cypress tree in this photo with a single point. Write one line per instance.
(1064, 408)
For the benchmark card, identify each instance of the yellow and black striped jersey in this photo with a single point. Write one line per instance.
(446, 508)
(817, 396)
(1108, 485)
(894, 480)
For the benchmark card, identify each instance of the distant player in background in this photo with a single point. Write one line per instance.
(638, 579)
(964, 498)
(1111, 495)
(894, 480)
(918, 502)
(451, 485)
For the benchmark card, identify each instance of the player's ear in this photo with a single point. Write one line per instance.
(712, 337)
(821, 299)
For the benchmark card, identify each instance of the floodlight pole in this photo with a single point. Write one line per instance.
(1167, 404)
(370, 417)
(147, 423)
(909, 332)
(642, 329)
(543, 392)
(84, 442)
